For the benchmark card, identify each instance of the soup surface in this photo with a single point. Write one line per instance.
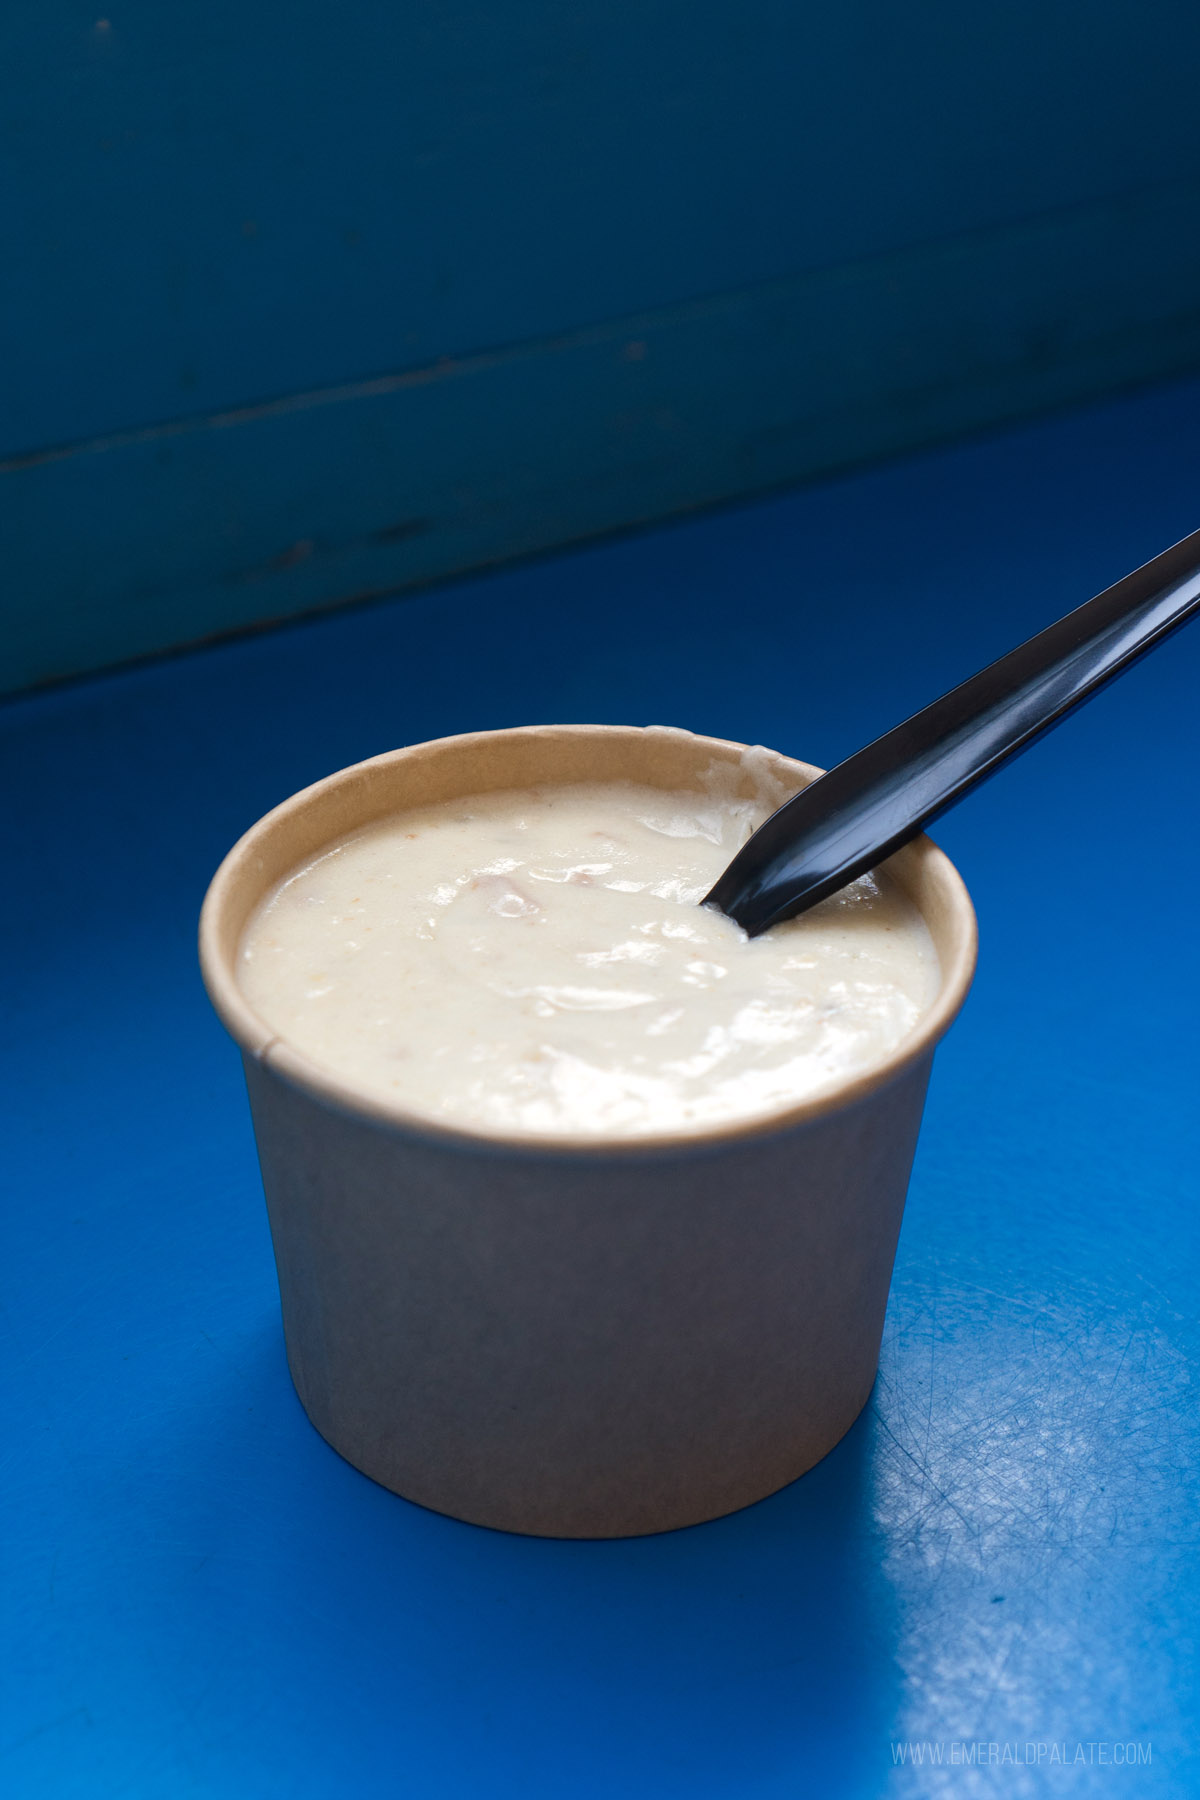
(537, 961)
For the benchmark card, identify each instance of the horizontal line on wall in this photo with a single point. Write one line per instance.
(631, 326)
(149, 539)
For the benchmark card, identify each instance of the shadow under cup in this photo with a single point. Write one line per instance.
(577, 1337)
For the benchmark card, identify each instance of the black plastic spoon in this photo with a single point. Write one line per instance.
(880, 797)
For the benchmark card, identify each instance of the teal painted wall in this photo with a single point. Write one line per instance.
(310, 302)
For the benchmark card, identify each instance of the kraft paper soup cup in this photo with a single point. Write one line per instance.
(576, 1338)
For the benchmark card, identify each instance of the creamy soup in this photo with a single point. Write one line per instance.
(537, 961)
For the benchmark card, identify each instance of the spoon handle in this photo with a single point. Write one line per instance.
(883, 795)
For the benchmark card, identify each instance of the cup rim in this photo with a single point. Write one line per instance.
(259, 1042)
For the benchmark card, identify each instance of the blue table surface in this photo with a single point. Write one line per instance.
(204, 1600)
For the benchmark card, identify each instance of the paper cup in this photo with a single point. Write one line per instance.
(577, 1338)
